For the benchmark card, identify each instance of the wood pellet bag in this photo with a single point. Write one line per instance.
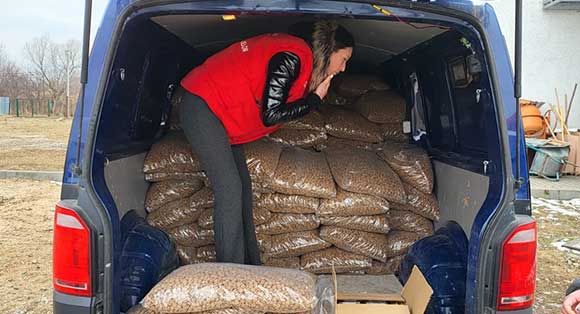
(191, 235)
(160, 193)
(301, 138)
(399, 242)
(264, 242)
(368, 244)
(420, 203)
(284, 223)
(352, 85)
(321, 262)
(216, 286)
(165, 176)
(283, 203)
(284, 262)
(390, 267)
(404, 220)
(206, 253)
(187, 254)
(333, 98)
(348, 204)
(174, 214)
(360, 171)
(382, 107)
(312, 121)
(260, 215)
(351, 125)
(394, 132)
(296, 243)
(172, 153)
(139, 309)
(302, 172)
(411, 163)
(262, 158)
(372, 223)
(333, 141)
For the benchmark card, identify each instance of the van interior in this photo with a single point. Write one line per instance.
(436, 62)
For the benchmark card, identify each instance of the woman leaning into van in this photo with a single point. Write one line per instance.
(244, 93)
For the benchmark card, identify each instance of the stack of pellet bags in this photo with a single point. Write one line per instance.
(337, 188)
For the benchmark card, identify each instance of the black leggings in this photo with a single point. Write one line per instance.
(225, 166)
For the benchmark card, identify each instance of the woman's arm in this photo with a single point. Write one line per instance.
(283, 69)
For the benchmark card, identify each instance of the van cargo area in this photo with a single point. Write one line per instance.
(436, 62)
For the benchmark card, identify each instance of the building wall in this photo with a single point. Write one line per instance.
(550, 52)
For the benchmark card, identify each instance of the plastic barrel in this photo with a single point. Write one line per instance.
(148, 255)
(442, 258)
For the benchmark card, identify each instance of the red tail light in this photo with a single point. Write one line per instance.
(518, 269)
(71, 253)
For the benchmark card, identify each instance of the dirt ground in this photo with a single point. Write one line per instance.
(33, 143)
(26, 218)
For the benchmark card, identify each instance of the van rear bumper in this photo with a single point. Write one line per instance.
(524, 311)
(68, 304)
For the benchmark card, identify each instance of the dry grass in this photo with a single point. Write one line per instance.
(33, 143)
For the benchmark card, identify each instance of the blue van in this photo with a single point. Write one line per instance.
(448, 56)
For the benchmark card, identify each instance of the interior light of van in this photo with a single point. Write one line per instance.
(71, 253)
(228, 17)
(517, 283)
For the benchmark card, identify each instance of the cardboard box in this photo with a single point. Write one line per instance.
(574, 156)
(413, 299)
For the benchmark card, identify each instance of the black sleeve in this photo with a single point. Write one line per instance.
(575, 285)
(283, 69)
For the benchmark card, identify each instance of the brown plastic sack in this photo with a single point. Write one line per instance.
(302, 172)
(202, 198)
(264, 242)
(172, 153)
(191, 235)
(312, 121)
(139, 309)
(285, 262)
(261, 216)
(215, 286)
(160, 193)
(284, 223)
(165, 176)
(382, 107)
(333, 98)
(174, 214)
(420, 203)
(411, 163)
(349, 204)
(296, 243)
(390, 267)
(283, 203)
(334, 141)
(351, 85)
(353, 126)
(355, 241)
(262, 158)
(372, 223)
(300, 138)
(206, 253)
(394, 132)
(407, 221)
(187, 255)
(360, 171)
(321, 262)
(399, 242)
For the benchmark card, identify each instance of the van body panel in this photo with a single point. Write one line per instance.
(93, 181)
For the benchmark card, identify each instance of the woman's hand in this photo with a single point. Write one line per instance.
(322, 89)
(571, 302)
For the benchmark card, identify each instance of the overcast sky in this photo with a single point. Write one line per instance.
(61, 20)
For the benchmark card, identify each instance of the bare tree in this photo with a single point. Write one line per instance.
(52, 68)
(13, 82)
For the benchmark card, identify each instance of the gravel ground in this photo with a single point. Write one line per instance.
(26, 222)
(33, 143)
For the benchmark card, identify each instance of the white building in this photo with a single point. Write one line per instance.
(550, 52)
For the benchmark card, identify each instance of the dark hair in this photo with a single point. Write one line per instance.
(343, 38)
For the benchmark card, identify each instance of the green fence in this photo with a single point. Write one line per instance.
(31, 107)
